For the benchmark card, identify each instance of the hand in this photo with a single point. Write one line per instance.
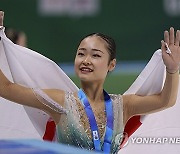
(1, 18)
(171, 60)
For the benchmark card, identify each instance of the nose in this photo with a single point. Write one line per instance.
(87, 60)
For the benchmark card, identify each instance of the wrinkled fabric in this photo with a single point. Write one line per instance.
(28, 68)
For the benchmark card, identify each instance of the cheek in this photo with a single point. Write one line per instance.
(103, 67)
(76, 64)
(76, 60)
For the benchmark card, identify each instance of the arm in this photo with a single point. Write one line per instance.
(141, 105)
(25, 96)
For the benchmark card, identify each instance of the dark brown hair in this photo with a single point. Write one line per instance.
(111, 45)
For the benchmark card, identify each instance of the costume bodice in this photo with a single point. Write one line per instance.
(73, 127)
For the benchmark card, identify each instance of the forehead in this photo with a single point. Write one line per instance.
(93, 42)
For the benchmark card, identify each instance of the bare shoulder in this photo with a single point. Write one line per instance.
(56, 94)
(127, 99)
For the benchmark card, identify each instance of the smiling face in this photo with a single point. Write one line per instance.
(92, 59)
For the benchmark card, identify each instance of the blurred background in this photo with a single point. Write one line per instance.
(54, 28)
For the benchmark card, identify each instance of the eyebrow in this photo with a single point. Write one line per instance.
(84, 49)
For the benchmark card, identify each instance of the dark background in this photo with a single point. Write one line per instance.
(137, 27)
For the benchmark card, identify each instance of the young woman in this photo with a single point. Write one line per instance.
(92, 118)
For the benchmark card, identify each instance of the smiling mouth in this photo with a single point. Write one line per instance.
(86, 70)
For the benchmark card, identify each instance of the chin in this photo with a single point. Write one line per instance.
(83, 78)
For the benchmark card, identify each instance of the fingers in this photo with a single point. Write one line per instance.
(166, 37)
(1, 13)
(1, 18)
(177, 40)
(163, 47)
(171, 36)
(167, 48)
(170, 39)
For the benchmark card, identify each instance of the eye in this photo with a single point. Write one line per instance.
(80, 54)
(96, 55)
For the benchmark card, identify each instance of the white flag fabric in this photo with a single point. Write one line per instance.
(28, 68)
(159, 132)
(150, 81)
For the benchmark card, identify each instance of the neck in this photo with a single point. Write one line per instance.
(94, 91)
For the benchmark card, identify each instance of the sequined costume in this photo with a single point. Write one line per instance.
(73, 127)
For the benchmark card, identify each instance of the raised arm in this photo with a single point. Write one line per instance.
(24, 95)
(141, 105)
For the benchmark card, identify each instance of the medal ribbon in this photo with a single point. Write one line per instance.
(93, 123)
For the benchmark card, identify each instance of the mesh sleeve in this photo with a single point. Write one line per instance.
(47, 101)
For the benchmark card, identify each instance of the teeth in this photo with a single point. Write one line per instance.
(86, 69)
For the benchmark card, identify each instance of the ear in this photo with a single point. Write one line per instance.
(112, 65)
